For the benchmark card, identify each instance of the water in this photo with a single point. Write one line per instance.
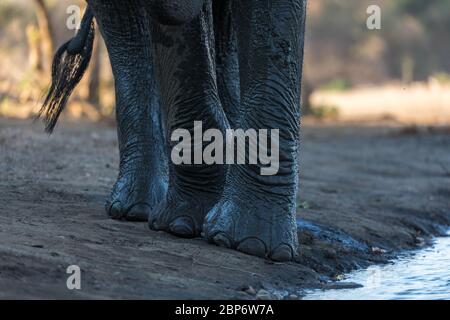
(424, 274)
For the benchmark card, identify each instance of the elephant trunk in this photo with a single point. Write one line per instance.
(175, 12)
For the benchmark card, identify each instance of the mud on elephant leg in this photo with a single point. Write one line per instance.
(142, 179)
(256, 214)
(186, 74)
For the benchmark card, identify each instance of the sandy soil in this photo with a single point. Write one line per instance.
(366, 193)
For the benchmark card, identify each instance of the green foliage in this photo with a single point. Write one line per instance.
(324, 112)
(442, 77)
(338, 84)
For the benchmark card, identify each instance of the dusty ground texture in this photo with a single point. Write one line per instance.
(366, 193)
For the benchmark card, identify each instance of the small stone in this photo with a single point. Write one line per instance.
(293, 297)
(342, 285)
(330, 254)
(264, 295)
(250, 290)
(339, 277)
(378, 250)
(420, 242)
(95, 136)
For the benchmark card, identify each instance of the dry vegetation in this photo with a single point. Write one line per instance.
(351, 73)
(417, 103)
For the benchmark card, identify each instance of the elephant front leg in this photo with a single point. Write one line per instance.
(143, 172)
(142, 179)
(257, 213)
(186, 75)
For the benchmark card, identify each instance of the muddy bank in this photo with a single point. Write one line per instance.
(366, 193)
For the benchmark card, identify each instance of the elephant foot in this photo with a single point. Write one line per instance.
(181, 215)
(134, 196)
(253, 225)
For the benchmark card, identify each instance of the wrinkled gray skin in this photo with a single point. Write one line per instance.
(227, 63)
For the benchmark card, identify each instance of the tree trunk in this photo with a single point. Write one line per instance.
(46, 32)
(34, 50)
(94, 76)
(90, 85)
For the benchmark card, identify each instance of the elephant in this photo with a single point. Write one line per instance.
(224, 63)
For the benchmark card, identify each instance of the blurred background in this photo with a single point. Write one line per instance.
(399, 73)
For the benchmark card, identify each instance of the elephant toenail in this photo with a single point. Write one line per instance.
(139, 212)
(253, 246)
(222, 240)
(283, 253)
(183, 227)
(115, 211)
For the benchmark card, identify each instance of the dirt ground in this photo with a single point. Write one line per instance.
(367, 192)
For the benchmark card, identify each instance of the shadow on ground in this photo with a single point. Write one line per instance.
(366, 193)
